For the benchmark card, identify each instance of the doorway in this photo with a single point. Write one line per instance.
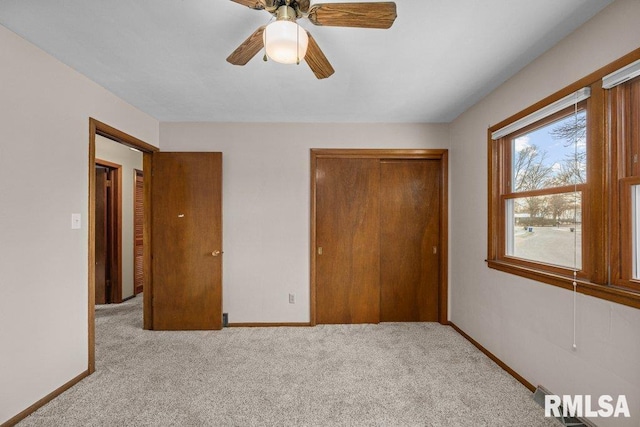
(97, 129)
(378, 236)
(185, 212)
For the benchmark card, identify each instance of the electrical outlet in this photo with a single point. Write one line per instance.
(292, 298)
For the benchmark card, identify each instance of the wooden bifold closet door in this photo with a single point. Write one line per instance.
(348, 260)
(377, 255)
(409, 240)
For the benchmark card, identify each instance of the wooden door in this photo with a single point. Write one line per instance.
(186, 241)
(108, 284)
(409, 240)
(347, 236)
(101, 234)
(138, 232)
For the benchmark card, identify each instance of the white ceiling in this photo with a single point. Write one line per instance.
(167, 57)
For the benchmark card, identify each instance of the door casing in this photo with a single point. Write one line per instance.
(405, 154)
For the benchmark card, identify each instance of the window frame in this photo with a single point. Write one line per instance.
(600, 204)
(508, 194)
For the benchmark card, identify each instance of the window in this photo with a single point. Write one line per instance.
(623, 101)
(564, 187)
(543, 202)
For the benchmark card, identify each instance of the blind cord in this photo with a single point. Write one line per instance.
(575, 221)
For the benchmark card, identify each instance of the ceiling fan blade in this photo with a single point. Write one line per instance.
(361, 15)
(318, 63)
(253, 4)
(248, 48)
(303, 5)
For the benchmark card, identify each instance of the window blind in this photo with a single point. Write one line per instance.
(559, 105)
(622, 75)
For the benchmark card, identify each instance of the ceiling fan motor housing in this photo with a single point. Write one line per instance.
(274, 6)
(286, 13)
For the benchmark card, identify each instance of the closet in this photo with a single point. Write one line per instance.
(379, 236)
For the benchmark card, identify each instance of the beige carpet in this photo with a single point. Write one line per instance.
(393, 374)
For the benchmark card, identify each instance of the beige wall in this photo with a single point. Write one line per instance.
(44, 132)
(44, 110)
(528, 324)
(266, 200)
(122, 155)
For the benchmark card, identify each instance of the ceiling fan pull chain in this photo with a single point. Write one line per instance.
(298, 45)
(265, 57)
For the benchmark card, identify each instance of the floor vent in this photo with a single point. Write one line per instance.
(538, 397)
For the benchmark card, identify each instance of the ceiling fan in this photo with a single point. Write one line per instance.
(286, 42)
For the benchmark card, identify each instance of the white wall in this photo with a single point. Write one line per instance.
(527, 324)
(266, 200)
(122, 155)
(44, 137)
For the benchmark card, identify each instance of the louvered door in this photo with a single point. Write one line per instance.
(138, 197)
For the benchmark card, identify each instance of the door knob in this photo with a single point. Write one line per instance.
(216, 253)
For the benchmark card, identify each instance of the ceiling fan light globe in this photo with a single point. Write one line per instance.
(285, 42)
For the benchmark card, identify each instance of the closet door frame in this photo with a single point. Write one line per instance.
(387, 154)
